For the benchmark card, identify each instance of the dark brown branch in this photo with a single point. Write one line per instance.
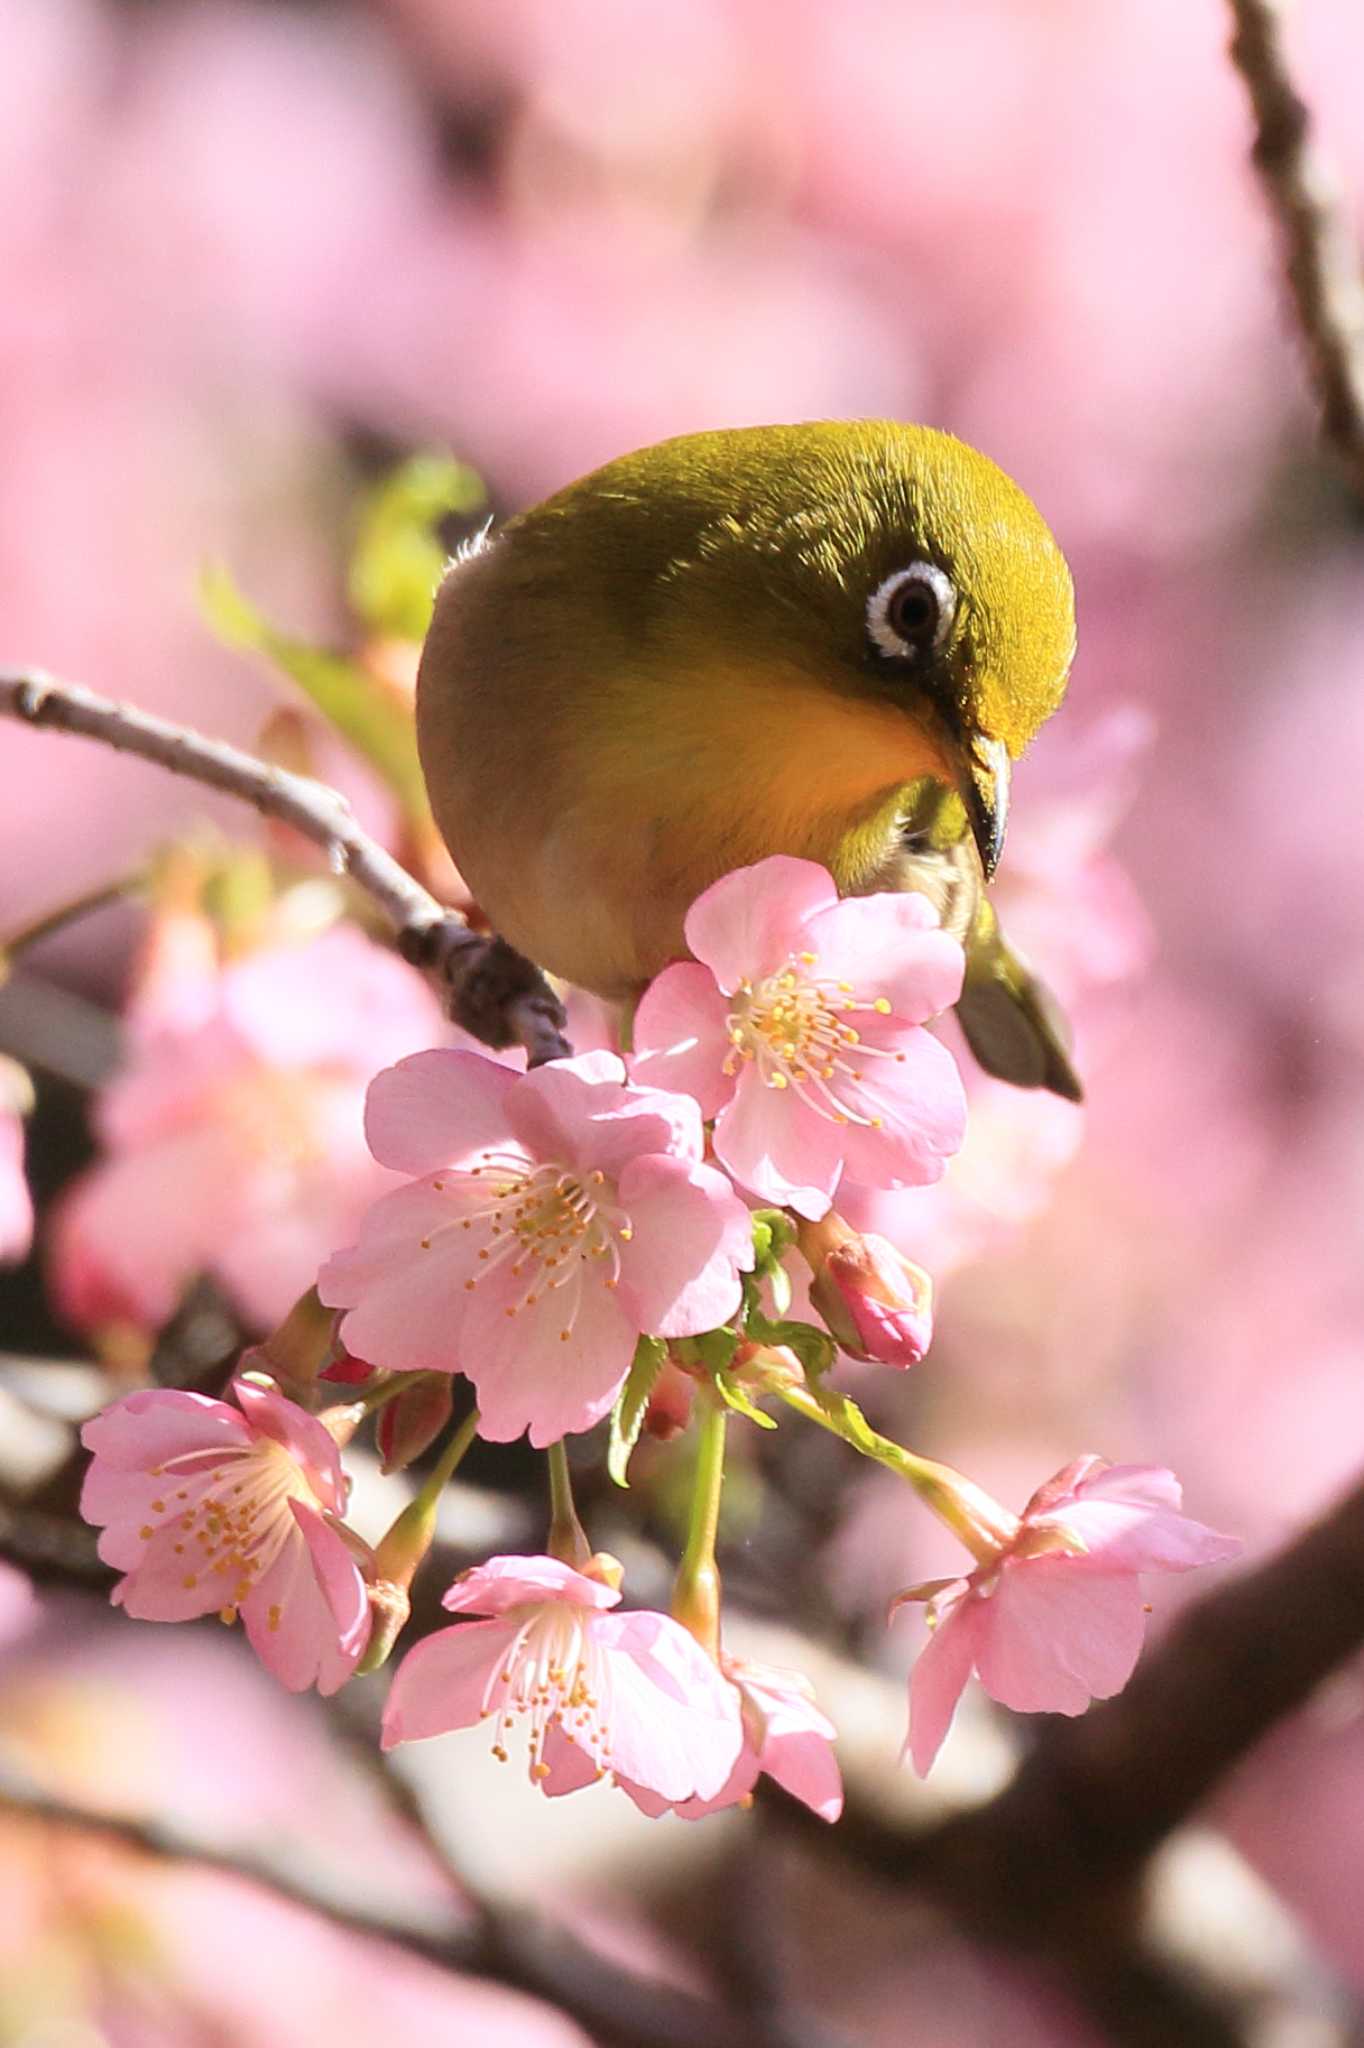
(1322, 258)
(494, 993)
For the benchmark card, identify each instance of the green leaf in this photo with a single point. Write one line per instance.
(627, 1417)
(814, 1348)
(377, 726)
(399, 556)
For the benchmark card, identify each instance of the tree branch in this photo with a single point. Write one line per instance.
(1322, 259)
(494, 993)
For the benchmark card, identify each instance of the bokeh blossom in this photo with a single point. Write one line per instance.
(208, 1508)
(16, 1205)
(597, 1692)
(798, 1028)
(785, 1736)
(559, 1216)
(1053, 1617)
(234, 1131)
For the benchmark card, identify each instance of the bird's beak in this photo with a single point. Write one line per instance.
(987, 798)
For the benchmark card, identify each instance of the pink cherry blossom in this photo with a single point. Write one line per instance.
(633, 1694)
(234, 1136)
(785, 1735)
(210, 1508)
(798, 1027)
(1053, 1617)
(558, 1216)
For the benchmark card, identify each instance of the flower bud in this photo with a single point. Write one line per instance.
(389, 1608)
(876, 1303)
(670, 1403)
(414, 1419)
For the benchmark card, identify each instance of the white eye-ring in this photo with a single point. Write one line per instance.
(910, 613)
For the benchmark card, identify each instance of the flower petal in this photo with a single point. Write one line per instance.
(307, 1441)
(528, 1374)
(584, 1113)
(681, 1036)
(749, 922)
(692, 1237)
(1052, 1637)
(889, 946)
(443, 1682)
(436, 1109)
(503, 1582)
(674, 1721)
(306, 1618)
(935, 1686)
(777, 1149)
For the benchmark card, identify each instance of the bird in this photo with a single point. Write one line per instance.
(829, 640)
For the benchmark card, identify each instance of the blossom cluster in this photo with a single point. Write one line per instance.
(617, 1234)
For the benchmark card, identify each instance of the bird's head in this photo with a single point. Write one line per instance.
(890, 564)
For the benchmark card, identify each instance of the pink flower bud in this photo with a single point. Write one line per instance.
(414, 1419)
(877, 1303)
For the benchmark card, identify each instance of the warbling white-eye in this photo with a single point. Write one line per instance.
(827, 640)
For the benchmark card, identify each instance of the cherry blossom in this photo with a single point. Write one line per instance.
(209, 1508)
(558, 1216)
(598, 1692)
(785, 1735)
(798, 1028)
(234, 1135)
(1053, 1616)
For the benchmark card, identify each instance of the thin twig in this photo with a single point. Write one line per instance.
(1322, 257)
(494, 993)
(512, 1947)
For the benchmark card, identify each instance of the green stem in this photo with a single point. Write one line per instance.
(978, 1521)
(402, 1549)
(567, 1538)
(696, 1589)
(448, 1463)
(388, 1390)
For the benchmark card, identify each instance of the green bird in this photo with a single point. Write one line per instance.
(827, 640)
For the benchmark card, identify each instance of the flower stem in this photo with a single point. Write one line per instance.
(567, 1538)
(696, 1589)
(969, 1512)
(375, 1398)
(402, 1549)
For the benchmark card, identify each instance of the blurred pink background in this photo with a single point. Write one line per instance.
(246, 246)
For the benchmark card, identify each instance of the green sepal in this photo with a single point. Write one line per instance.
(375, 724)
(814, 1348)
(399, 557)
(733, 1396)
(627, 1417)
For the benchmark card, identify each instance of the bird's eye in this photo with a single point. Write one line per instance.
(910, 613)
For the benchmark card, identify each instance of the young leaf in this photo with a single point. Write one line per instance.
(377, 726)
(399, 556)
(627, 1417)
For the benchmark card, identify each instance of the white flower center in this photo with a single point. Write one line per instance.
(557, 1228)
(797, 1026)
(551, 1676)
(231, 1512)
